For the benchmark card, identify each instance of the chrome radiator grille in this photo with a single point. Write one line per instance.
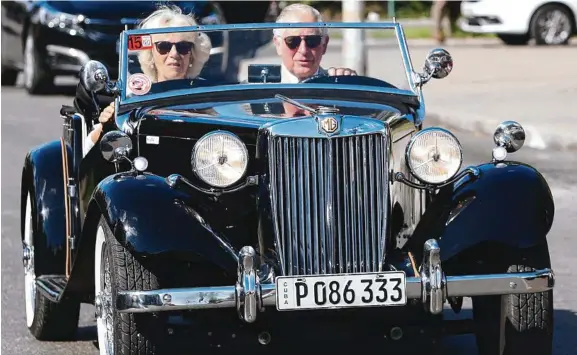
(329, 203)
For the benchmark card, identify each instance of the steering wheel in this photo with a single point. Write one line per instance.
(314, 77)
(347, 79)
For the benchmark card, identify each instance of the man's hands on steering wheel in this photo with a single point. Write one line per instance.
(341, 71)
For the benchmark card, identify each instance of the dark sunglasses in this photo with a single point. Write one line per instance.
(312, 41)
(182, 47)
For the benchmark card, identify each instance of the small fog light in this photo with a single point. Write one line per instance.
(499, 153)
(140, 163)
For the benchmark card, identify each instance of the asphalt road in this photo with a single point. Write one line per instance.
(28, 121)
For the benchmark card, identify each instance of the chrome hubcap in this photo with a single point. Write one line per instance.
(554, 27)
(28, 262)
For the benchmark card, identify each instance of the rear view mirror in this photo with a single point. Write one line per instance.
(264, 73)
(94, 76)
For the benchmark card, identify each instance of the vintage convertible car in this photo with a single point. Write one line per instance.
(268, 214)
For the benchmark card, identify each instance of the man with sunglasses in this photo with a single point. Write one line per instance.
(302, 49)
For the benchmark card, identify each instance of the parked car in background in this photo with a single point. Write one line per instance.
(516, 23)
(45, 39)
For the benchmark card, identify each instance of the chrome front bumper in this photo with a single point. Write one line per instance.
(250, 297)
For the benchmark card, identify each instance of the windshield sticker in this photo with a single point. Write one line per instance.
(138, 43)
(139, 84)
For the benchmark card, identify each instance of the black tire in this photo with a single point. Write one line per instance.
(541, 14)
(514, 40)
(55, 321)
(51, 321)
(132, 334)
(528, 326)
(9, 76)
(37, 76)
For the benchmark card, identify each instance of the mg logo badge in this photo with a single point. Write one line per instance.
(329, 124)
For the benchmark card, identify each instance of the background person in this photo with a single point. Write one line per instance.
(439, 9)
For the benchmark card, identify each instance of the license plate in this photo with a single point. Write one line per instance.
(341, 291)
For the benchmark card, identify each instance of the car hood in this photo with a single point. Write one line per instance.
(118, 9)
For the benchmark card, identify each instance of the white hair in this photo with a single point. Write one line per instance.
(172, 16)
(292, 13)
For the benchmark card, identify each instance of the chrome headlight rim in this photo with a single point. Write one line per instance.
(209, 135)
(411, 144)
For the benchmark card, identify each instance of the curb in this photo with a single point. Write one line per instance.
(535, 137)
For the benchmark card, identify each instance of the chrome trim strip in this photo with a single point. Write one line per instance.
(70, 52)
(224, 296)
(500, 284)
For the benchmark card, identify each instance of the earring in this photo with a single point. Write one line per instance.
(190, 65)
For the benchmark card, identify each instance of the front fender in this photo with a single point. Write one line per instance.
(161, 226)
(508, 203)
(42, 177)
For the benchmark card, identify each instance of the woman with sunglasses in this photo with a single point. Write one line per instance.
(173, 56)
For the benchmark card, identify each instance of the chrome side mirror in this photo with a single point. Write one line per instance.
(94, 76)
(438, 65)
(115, 146)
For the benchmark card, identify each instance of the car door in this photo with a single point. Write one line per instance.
(73, 135)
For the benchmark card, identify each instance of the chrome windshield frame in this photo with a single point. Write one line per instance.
(400, 35)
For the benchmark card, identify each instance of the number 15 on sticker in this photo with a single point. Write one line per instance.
(136, 43)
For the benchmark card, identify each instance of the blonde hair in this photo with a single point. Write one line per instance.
(291, 14)
(172, 16)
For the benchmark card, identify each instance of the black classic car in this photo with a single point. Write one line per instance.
(45, 39)
(267, 214)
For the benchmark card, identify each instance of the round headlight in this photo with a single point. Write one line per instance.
(434, 155)
(219, 158)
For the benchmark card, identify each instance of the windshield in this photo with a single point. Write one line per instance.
(166, 60)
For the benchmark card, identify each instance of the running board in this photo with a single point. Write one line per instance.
(52, 286)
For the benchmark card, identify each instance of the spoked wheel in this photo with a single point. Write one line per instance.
(45, 319)
(552, 25)
(116, 269)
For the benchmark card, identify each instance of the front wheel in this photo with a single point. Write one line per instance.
(115, 270)
(516, 324)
